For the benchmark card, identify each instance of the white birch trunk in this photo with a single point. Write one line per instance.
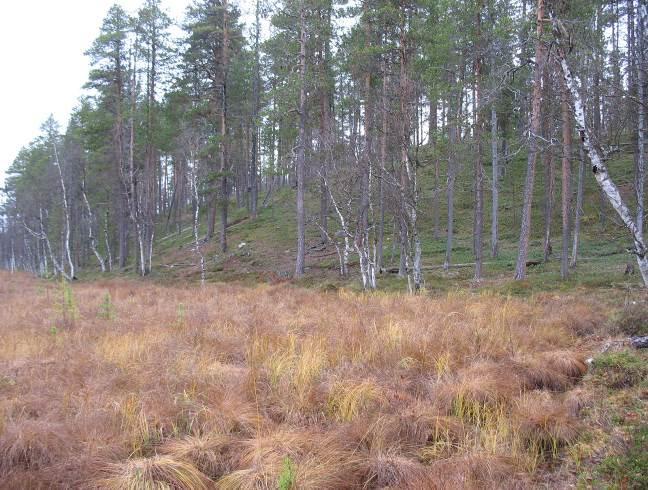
(599, 169)
(42, 235)
(91, 238)
(66, 211)
(107, 241)
(197, 248)
(344, 266)
(45, 263)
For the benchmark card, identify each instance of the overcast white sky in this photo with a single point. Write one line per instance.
(43, 67)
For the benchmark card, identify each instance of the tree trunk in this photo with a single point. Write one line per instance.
(383, 163)
(566, 180)
(133, 195)
(432, 129)
(525, 229)
(66, 212)
(196, 198)
(598, 165)
(362, 242)
(91, 238)
(494, 185)
(150, 163)
(410, 240)
(454, 116)
(211, 214)
(118, 149)
(479, 163)
(547, 162)
(326, 123)
(107, 242)
(641, 114)
(578, 214)
(254, 186)
(301, 148)
(224, 163)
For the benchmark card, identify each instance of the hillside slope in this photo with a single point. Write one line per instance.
(264, 249)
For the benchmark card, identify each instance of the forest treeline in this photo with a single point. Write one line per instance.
(353, 104)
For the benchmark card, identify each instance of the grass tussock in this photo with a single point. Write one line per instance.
(282, 387)
(545, 423)
(31, 445)
(157, 472)
(210, 453)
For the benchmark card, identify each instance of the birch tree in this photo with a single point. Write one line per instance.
(599, 169)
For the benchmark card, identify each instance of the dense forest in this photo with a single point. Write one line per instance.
(372, 113)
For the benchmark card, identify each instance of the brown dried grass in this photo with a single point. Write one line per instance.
(217, 386)
(156, 472)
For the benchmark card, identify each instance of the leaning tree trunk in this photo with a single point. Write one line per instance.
(599, 169)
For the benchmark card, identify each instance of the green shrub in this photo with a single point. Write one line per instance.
(620, 369)
(629, 470)
(107, 309)
(66, 306)
(181, 316)
(287, 475)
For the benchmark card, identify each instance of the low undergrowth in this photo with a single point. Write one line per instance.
(616, 454)
(283, 387)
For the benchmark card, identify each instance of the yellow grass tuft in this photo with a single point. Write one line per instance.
(348, 399)
(135, 425)
(155, 473)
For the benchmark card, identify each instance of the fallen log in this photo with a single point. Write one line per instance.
(394, 270)
(639, 342)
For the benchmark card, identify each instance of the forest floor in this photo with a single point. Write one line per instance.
(124, 383)
(263, 251)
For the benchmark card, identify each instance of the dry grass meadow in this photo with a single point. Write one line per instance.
(131, 385)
